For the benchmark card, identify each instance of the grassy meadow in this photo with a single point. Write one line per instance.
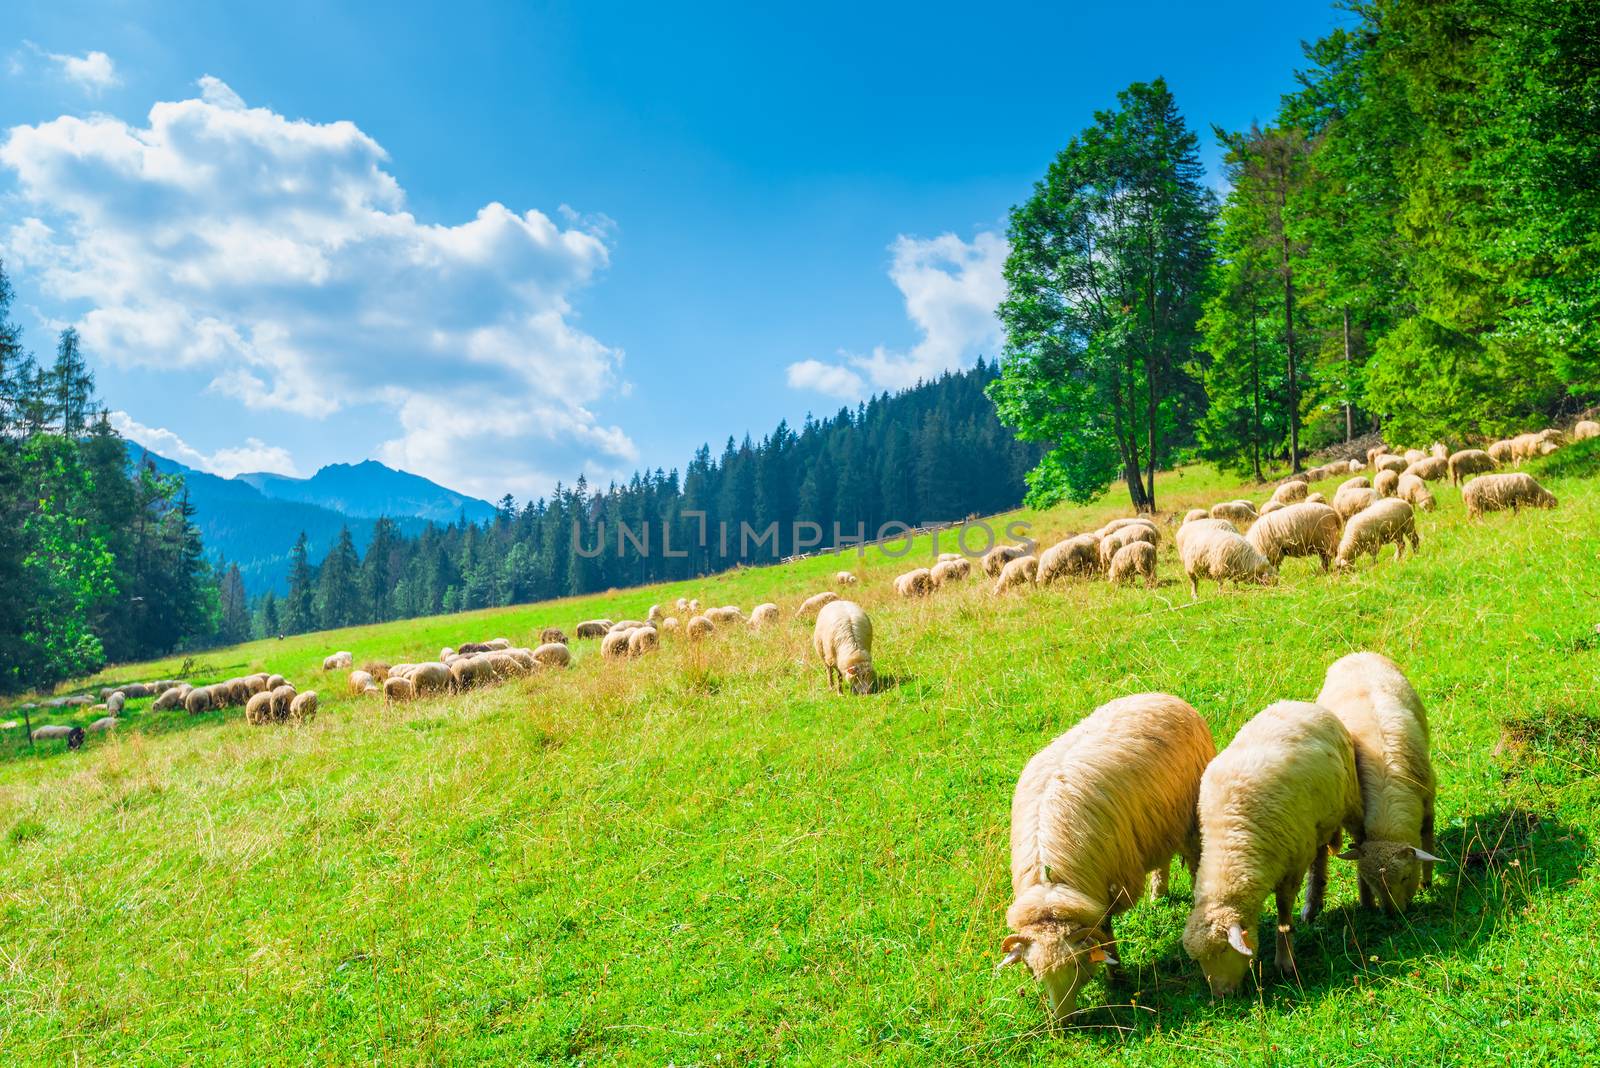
(704, 857)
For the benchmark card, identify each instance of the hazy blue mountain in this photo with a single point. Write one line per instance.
(370, 489)
(257, 527)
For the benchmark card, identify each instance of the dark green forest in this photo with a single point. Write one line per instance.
(1412, 243)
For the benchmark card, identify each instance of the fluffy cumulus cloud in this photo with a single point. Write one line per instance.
(253, 455)
(92, 72)
(277, 257)
(951, 289)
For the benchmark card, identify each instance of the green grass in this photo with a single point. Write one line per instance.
(703, 857)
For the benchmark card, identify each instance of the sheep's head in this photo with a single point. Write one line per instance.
(1223, 947)
(859, 674)
(1392, 871)
(1265, 574)
(1062, 956)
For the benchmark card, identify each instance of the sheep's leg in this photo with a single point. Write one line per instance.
(1194, 588)
(1416, 540)
(1399, 547)
(1427, 841)
(1365, 892)
(1317, 881)
(1190, 850)
(1161, 881)
(1285, 945)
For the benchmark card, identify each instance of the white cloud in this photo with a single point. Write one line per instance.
(253, 455)
(951, 289)
(93, 72)
(277, 257)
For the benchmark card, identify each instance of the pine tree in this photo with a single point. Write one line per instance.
(338, 598)
(234, 622)
(299, 607)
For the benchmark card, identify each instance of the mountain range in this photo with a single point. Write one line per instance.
(253, 519)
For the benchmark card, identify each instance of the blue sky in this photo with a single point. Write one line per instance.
(498, 244)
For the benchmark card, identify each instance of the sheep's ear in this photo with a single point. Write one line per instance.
(1349, 854)
(1236, 940)
(1015, 947)
(1424, 855)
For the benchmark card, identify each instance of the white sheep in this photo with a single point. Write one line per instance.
(1240, 513)
(1358, 482)
(1415, 491)
(1439, 450)
(1269, 506)
(1396, 464)
(552, 654)
(1137, 558)
(915, 583)
(1304, 529)
(995, 560)
(1271, 805)
(1385, 483)
(950, 571)
(1496, 493)
(813, 604)
(1290, 492)
(1221, 555)
(593, 628)
(1193, 515)
(1143, 521)
(845, 578)
(1316, 498)
(642, 640)
(1387, 724)
(1352, 499)
(303, 708)
(727, 613)
(614, 645)
(655, 614)
(698, 627)
(1414, 455)
(1469, 462)
(1019, 572)
(842, 639)
(763, 615)
(1429, 469)
(1501, 452)
(1584, 429)
(1389, 521)
(1077, 555)
(359, 681)
(339, 661)
(1096, 813)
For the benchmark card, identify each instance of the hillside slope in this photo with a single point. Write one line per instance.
(703, 856)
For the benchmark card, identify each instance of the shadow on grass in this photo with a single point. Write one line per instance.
(1496, 862)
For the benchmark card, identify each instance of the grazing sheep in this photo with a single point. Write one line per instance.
(1415, 491)
(1134, 558)
(102, 725)
(274, 681)
(995, 560)
(1193, 514)
(1429, 469)
(1439, 450)
(593, 628)
(525, 661)
(1396, 464)
(504, 664)
(73, 735)
(238, 691)
(1316, 498)
(303, 709)
(198, 700)
(670, 624)
(842, 638)
(950, 571)
(378, 669)
(398, 689)
(1290, 492)
(1352, 499)
(917, 583)
(1221, 554)
(1496, 493)
(432, 678)
(1141, 521)
(1108, 545)
(726, 614)
(698, 627)
(1269, 506)
(1078, 555)
(552, 654)
(763, 615)
(1469, 462)
(115, 702)
(1388, 521)
(681, 604)
(694, 605)
(1501, 452)
(497, 645)
(1019, 572)
(630, 624)
(470, 672)
(1389, 728)
(845, 578)
(943, 557)
(278, 702)
(643, 640)
(654, 614)
(1303, 529)
(171, 697)
(1358, 482)
(552, 635)
(360, 681)
(1240, 513)
(448, 654)
(1094, 814)
(615, 644)
(1375, 452)
(813, 604)
(1414, 455)
(338, 661)
(1584, 429)
(1385, 483)
(1271, 805)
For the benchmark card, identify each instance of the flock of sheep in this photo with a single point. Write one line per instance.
(474, 665)
(1100, 812)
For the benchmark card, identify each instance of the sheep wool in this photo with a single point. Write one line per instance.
(398, 689)
(813, 604)
(338, 661)
(1143, 521)
(1358, 482)
(593, 628)
(1396, 464)
(1389, 521)
(615, 644)
(1019, 572)
(995, 560)
(845, 578)
(950, 571)
(1193, 514)
(1352, 499)
(1304, 529)
(1093, 815)
(763, 615)
(1316, 498)
(359, 681)
(431, 678)
(917, 583)
(1077, 555)
(552, 654)
(258, 709)
(303, 709)
(842, 639)
(1439, 450)
(1240, 513)
(643, 640)
(1137, 558)
(1500, 452)
(1413, 455)
(1584, 429)
(1385, 483)
(726, 614)
(1271, 804)
(1290, 492)
(1221, 555)
(1496, 493)
(552, 635)
(1415, 491)
(697, 627)
(1377, 705)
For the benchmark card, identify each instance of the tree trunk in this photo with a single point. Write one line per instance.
(1255, 392)
(1349, 416)
(1288, 336)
